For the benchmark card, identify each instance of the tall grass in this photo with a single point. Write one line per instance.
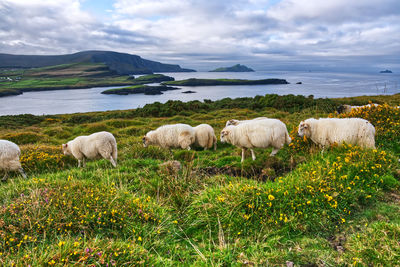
(339, 207)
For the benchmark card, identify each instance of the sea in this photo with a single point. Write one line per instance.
(319, 84)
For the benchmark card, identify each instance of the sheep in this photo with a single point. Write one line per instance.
(205, 136)
(347, 108)
(171, 136)
(9, 158)
(101, 144)
(257, 134)
(236, 122)
(328, 131)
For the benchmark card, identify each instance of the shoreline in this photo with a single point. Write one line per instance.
(358, 100)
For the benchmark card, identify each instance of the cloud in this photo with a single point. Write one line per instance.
(205, 34)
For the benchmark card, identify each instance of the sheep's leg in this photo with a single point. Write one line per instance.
(274, 151)
(188, 148)
(243, 151)
(79, 163)
(253, 155)
(84, 163)
(21, 171)
(205, 148)
(113, 162)
(5, 177)
(215, 146)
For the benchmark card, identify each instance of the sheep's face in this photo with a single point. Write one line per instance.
(304, 129)
(66, 150)
(225, 136)
(340, 109)
(232, 122)
(145, 141)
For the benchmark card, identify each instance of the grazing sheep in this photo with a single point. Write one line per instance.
(101, 144)
(205, 136)
(171, 136)
(327, 131)
(236, 122)
(9, 158)
(347, 108)
(257, 133)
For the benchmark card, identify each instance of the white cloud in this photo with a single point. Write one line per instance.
(191, 32)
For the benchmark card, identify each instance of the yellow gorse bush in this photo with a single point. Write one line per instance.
(44, 157)
(71, 208)
(385, 118)
(319, 194)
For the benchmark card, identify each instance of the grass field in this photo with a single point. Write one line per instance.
(67, 76)
(340, 207)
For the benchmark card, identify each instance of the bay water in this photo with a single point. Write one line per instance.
(319, 84)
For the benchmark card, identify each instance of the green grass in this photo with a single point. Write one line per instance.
(340, 207)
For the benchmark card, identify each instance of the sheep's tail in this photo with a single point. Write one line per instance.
(215, 142)
(287, 137)
(114, 151)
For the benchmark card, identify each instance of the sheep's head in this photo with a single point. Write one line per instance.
(145, 141)
(304, 129)
(66, 149)
(232, 122)
(225, 136)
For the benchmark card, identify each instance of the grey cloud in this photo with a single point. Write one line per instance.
(301, 32)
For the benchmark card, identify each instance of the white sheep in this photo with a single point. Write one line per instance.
(101, 144)
(328, 131)
(236, 122)
(205, 136)
(257, 134)
(171, 136)
(9, 158)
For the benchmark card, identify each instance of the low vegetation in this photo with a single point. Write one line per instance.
(339, 207)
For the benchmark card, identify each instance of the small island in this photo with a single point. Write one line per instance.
(235, 68)
(151, 78)
(189, 92)
(213, 82)
(140, 89)
(385, 71)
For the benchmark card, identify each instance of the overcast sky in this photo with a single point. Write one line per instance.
(202, 34)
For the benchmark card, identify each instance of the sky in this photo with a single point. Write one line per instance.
(347, 35)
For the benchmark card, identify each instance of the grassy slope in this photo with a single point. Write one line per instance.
(80, 75)
(215, 211)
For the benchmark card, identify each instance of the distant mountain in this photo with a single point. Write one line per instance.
(120, 63)
(386, 71)
(235, 68)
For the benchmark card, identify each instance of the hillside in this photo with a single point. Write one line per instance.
(120, 63)
(68, 76)
(301, 207)
(235, 68)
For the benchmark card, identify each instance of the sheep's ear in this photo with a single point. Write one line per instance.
(306, 125)
(225, 132)
(65, 145)
(144, 139)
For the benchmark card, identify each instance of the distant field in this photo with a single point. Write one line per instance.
(68, 76)
(336, 208)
